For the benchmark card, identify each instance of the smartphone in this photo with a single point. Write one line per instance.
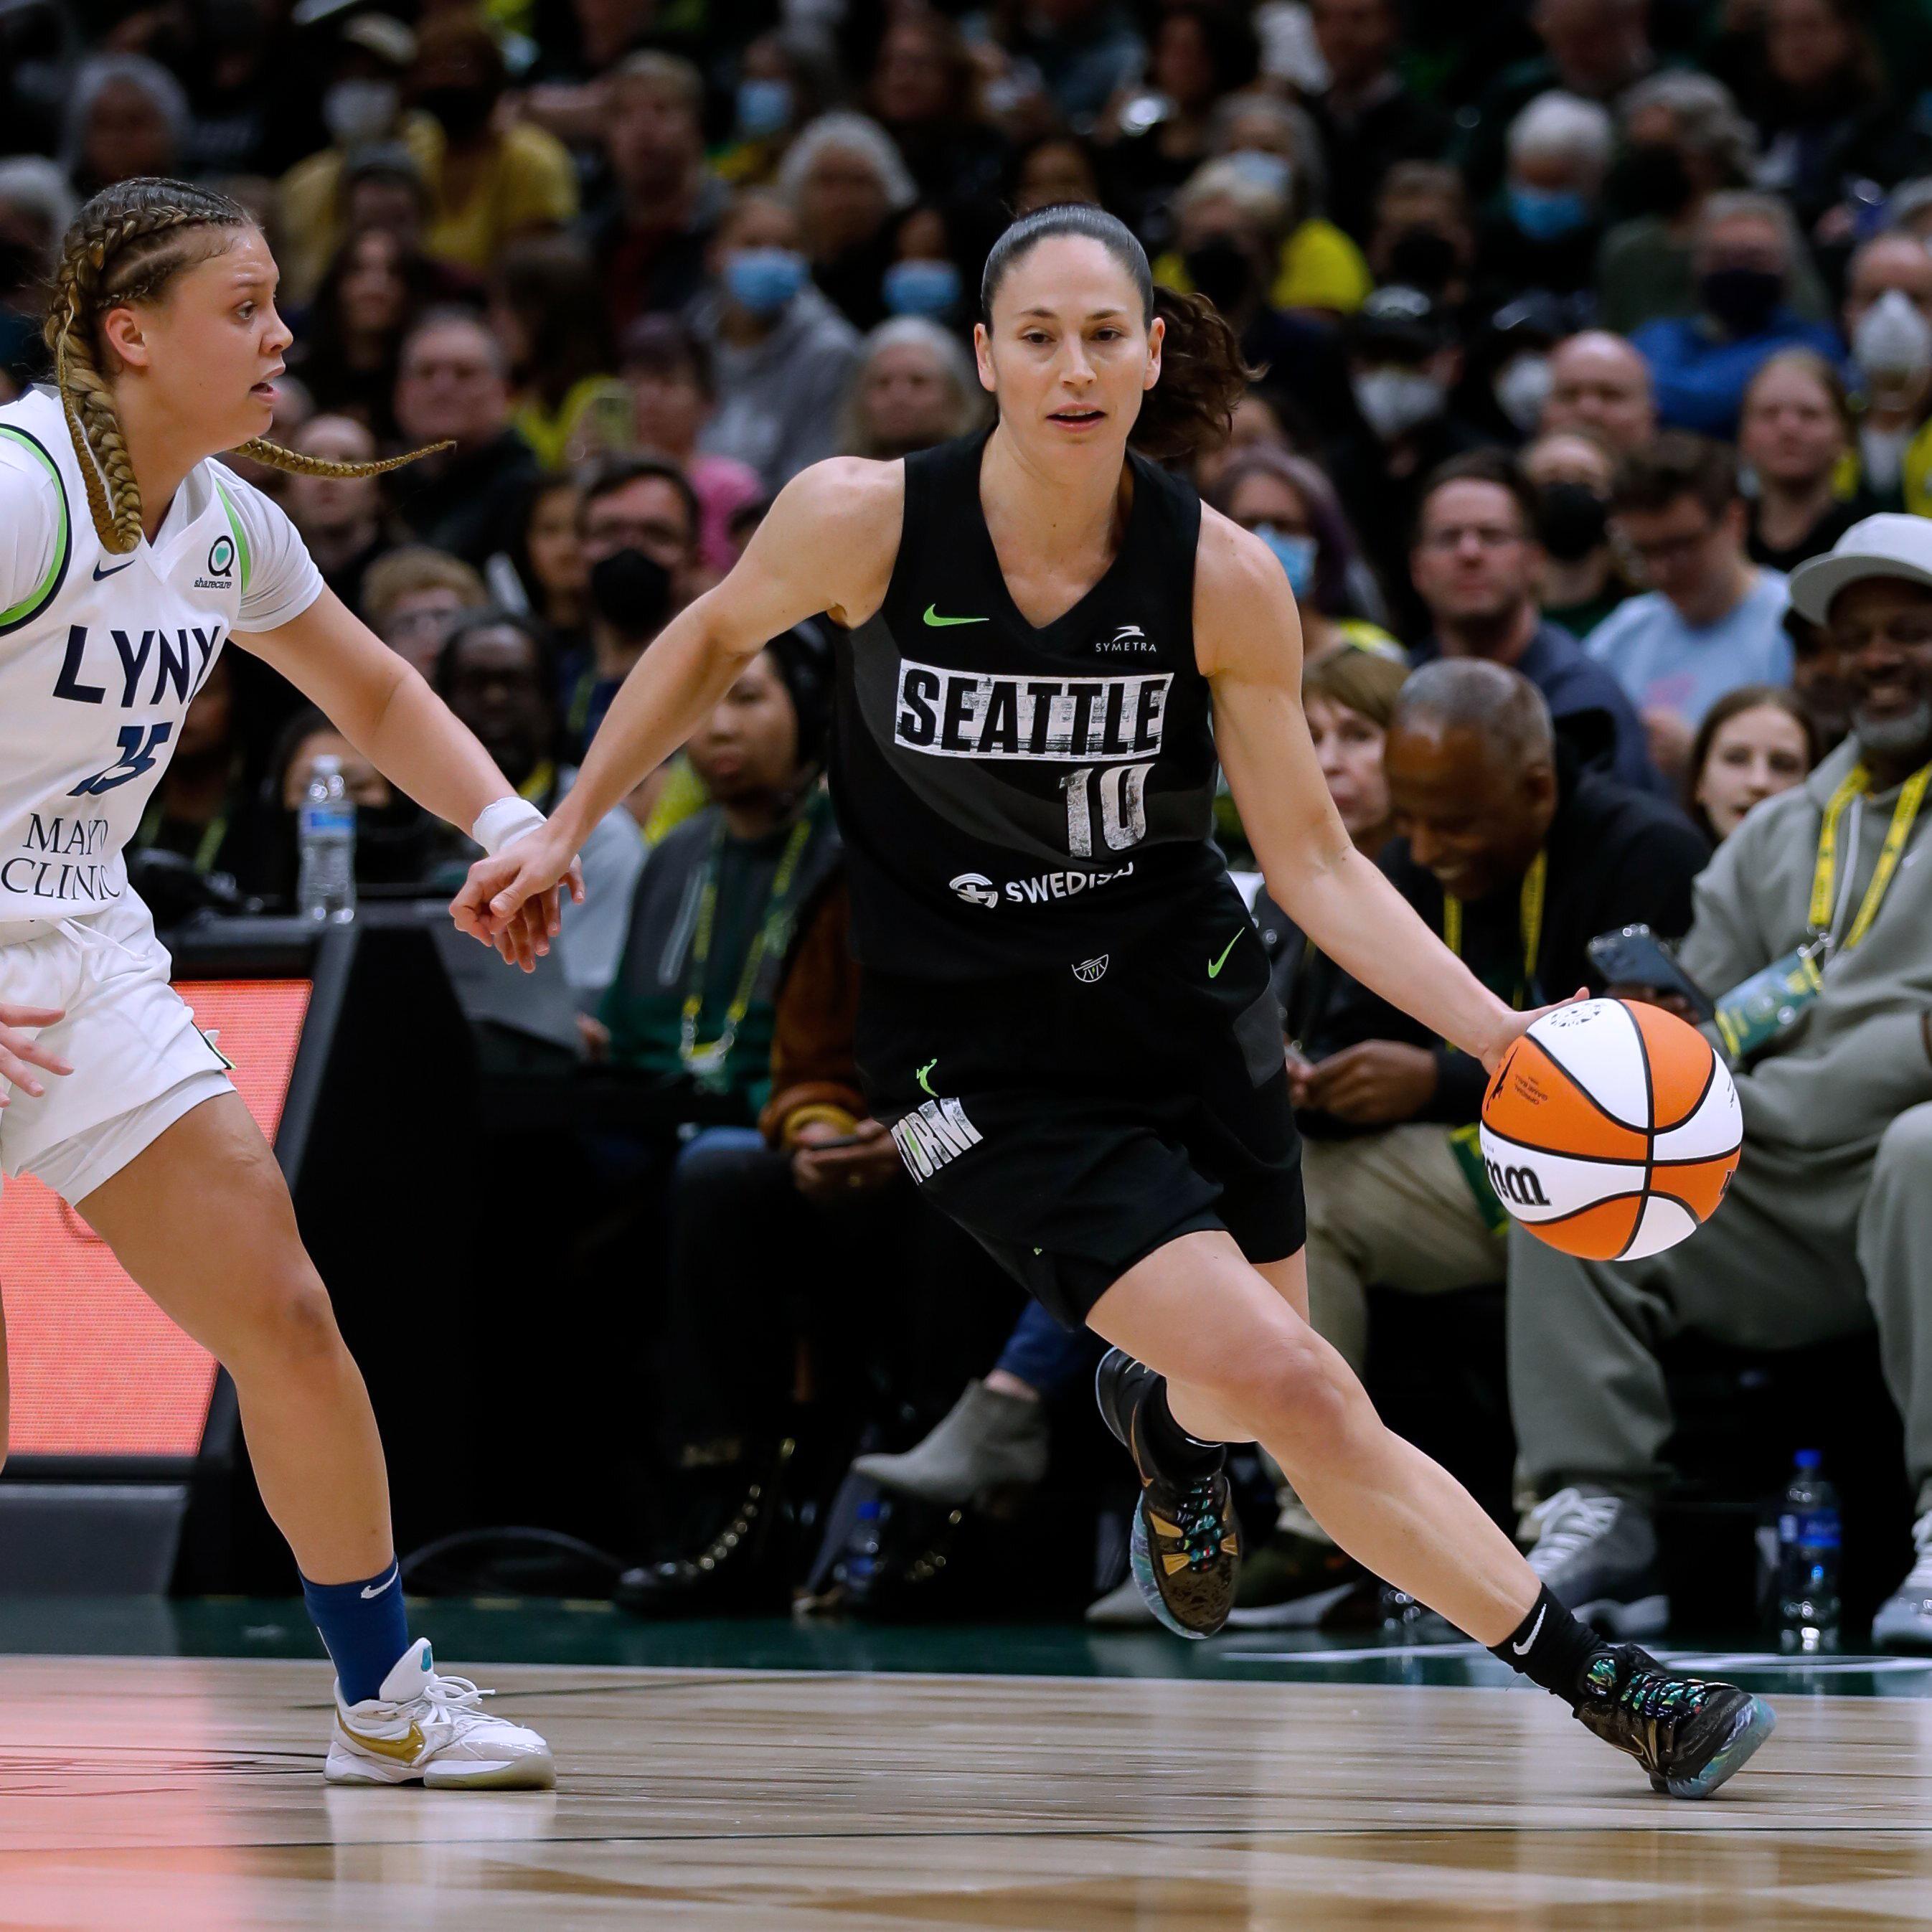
(1634, 956)
(816, 1147)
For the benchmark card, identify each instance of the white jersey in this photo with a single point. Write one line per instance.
(100, 655)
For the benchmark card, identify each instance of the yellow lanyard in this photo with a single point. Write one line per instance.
(537, 784)
(1535, 884)
(710, 1059)
(1824, 875)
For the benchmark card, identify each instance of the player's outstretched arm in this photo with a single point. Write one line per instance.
(386, 709)
(827, 545)
(1249, 642)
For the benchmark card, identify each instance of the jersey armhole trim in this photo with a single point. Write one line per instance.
(44, 592)
(244, 559)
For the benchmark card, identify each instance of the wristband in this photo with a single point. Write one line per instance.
(503, 819)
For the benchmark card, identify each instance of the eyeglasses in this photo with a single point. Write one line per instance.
(1490, 536)
(1669, 550)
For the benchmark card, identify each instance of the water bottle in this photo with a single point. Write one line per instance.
(325, 834)
(1807, 1560)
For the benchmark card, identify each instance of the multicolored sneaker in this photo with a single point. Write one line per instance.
(1187, 1547)
(1689, 1734)
(422, 1728)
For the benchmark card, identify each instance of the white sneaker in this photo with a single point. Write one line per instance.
(1904, 1620)
(422, 1728)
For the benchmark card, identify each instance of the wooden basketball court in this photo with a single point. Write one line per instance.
(162, 1793)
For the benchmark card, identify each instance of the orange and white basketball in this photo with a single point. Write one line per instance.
(1611, 1130)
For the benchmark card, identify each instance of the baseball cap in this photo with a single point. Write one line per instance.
(1888, 544)
(1397, 321)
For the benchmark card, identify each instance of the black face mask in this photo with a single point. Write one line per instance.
(1222, 272)
(630, 592)
(463, 111)
(1651, 179)
(1570, 520)
(1741, 299)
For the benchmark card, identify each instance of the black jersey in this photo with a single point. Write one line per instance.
(1014, 797)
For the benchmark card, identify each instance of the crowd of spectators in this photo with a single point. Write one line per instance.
(1581, 324)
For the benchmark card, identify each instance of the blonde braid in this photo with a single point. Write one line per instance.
(122, 221)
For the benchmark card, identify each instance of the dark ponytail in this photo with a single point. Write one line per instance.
(1202, 374)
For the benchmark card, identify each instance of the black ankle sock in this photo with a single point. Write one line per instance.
(1550, 1647)
(1174, 1453)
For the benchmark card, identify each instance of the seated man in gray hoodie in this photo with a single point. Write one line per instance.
(1828, 1226)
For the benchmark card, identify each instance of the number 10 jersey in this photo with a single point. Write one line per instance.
(1015, 798)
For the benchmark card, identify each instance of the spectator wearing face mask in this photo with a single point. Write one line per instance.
(923, 279)
(361, 105)
(1684, 141)
(1507, 382)
(1229, 220)
(1546, 232)
(1287, 502)
(1572, 471)
(785, 80)
(1422, 236)
(489, 181)
(639, 519)
(1796, 435)
(846, 183)
(1320, 267)
(1404, 363)
(1888, 319)
(1745, 247)
(781, 354)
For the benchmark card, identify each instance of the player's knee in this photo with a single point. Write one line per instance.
(1905, 1149)
(1286, 1382)
(294, 1325)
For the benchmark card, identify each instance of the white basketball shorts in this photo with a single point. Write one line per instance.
(140, 1062)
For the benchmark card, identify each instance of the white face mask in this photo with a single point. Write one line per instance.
(355, 111)
(1394, 401)
(1892, 344)
(1521, 388)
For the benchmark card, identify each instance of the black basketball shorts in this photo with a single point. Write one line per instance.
(1074, 1121)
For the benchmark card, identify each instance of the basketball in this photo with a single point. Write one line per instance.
(1611, 1130)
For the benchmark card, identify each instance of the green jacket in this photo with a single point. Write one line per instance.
(1858, 1057)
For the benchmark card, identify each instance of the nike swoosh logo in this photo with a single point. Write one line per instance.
(1214, 966)
(404, 1750)
(390, 1584)
(933, 618)
(99, 573)
(1523, 1649)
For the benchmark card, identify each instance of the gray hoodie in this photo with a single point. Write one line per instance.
(1824, 1093)
(779, 400)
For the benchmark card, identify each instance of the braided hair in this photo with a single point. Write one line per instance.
(125, 246)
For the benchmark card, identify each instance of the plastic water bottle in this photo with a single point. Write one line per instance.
(326, 834)
(1807, 1560)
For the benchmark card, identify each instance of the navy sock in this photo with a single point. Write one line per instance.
(364, 1626)
(1551, 1648)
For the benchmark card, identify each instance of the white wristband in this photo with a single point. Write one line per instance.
(503, 819)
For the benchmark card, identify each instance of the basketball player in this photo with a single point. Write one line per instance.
(128, 558)
(1046, 642)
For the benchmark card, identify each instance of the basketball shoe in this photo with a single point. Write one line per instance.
(1688, 1734)
(422, 1728)
(1186, 1545)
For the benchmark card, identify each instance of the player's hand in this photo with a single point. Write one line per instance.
(1513, 1026)
(20, 1052)
(1373, 1084)
(513, 901)
(822, 1173)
